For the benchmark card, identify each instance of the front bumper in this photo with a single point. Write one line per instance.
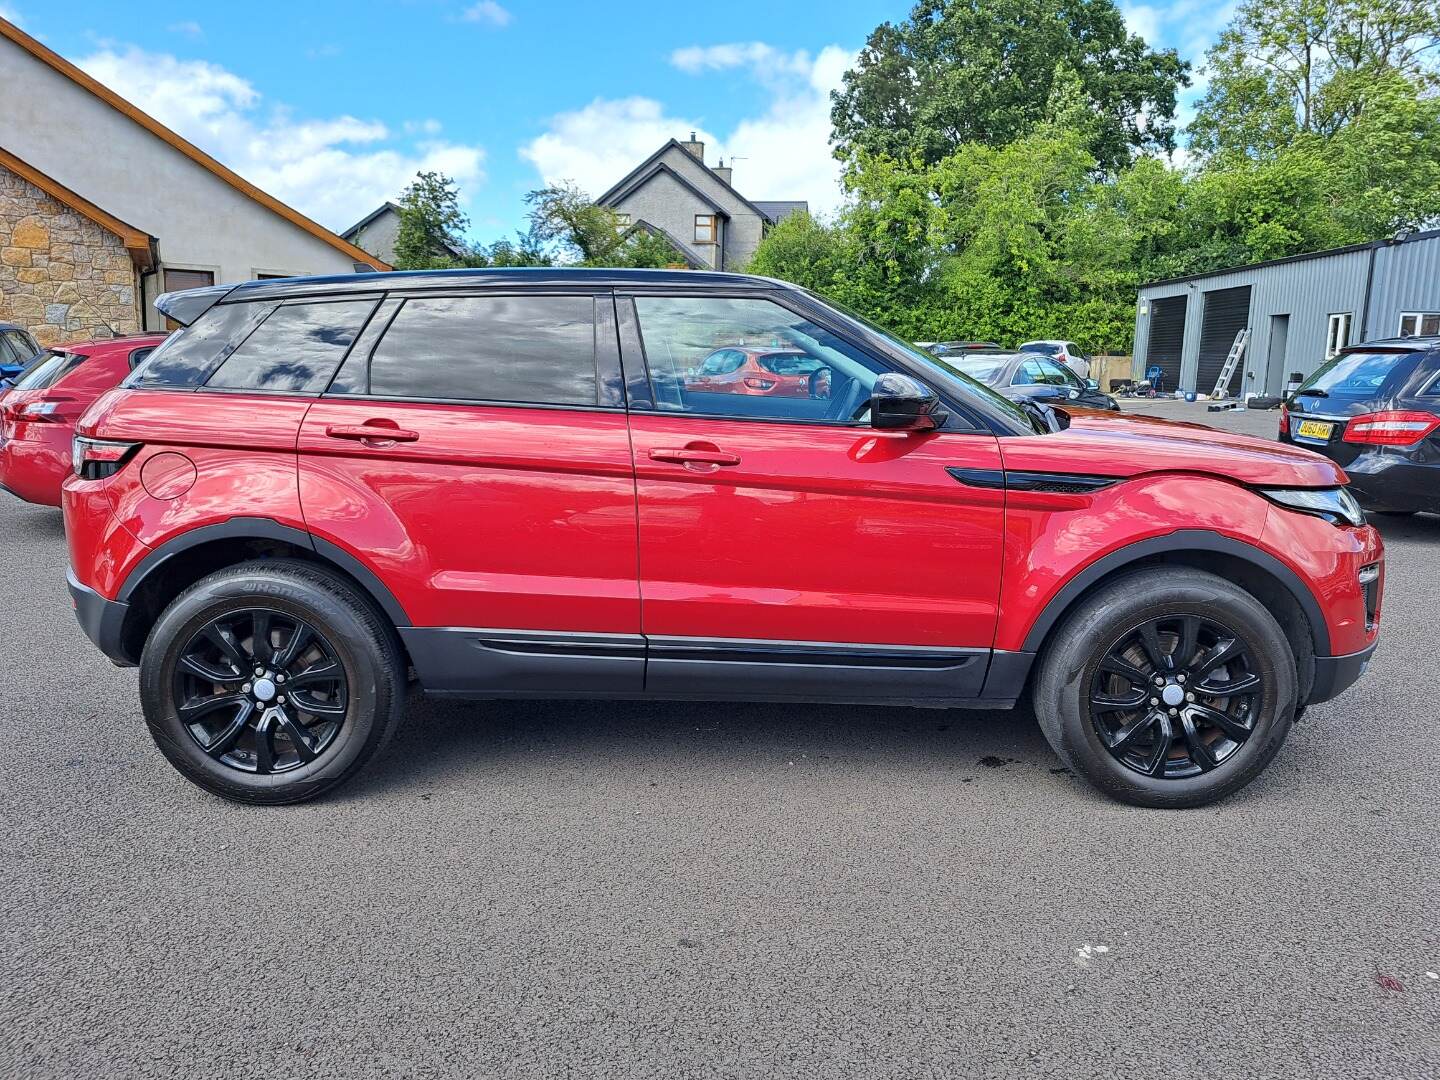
(1336, 674)
(102, 620)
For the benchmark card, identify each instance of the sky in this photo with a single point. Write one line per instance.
(333, 106)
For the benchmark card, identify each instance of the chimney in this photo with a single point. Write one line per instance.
(695, 147)
(722, 172)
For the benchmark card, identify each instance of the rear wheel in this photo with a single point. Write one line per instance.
(1168, 687)
(271, 682)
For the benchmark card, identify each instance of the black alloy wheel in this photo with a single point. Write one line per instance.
(1176, 696)
(261, 690)
(1167, 686)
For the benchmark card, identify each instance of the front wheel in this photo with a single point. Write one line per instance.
(271, 682)
(1168, 687)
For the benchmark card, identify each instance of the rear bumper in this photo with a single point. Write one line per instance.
(1390, 482)
(1336, 674)
(102, 620)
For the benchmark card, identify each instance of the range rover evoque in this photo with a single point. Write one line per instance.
(507, 483)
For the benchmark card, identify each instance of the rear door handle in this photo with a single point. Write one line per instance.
(686, 455)
(371, 432)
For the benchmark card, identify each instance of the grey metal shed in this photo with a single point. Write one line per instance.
(1299, 311)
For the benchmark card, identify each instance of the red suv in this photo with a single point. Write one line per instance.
(505, 481)
(38, 414)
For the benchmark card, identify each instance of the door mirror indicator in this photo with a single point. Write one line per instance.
(900, 403)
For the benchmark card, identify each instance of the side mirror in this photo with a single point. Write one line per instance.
(1092, 384)
(900, 403)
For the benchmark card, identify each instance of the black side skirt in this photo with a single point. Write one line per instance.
(481, 663)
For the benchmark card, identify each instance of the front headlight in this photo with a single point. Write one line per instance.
(1335, 505)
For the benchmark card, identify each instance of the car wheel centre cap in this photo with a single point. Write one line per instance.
(265, 690)
(1172, 695)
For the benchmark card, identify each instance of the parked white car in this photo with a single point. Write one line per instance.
(1067, 352)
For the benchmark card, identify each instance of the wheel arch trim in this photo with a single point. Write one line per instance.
(1185, 540)
(258, 528)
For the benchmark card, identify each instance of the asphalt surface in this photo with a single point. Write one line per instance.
(652, 890)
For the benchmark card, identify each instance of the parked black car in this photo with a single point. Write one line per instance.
(17, 348)
(1375, 411)
(1033, 377)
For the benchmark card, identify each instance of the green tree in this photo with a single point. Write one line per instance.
(432, 225)
(563, 218)
(1288, 68)
(960, 71)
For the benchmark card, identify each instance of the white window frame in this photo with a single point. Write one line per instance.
(1417, 322)
(1337, 332)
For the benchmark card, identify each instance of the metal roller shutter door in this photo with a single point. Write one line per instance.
(1167, 337)
(1227, 311)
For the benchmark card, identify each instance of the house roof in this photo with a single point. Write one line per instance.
(388, 207)
(779, 211)
(695, 261)
(1325, 254)
(649, 166)
(368, 218)
(194, 153)
(141, 245)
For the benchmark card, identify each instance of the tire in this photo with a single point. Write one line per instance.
(1107, 630)
(348, 665)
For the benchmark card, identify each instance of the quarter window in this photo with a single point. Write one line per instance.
(822, 378)
(519, 349)
(185, 360)
(297, 348)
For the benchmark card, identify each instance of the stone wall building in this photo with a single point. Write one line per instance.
(103, 208)
(63, 274)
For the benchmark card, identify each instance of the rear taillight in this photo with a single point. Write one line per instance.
(1391, 428)
(96, 459)
(37, 412)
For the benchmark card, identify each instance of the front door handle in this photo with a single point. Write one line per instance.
(695, 454)
(372, 431)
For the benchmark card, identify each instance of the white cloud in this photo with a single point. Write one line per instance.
(487, 11)
(784, 151)
(190, 28)
(333, 169)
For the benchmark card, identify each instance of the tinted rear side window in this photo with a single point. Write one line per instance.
(184, 360)
(297, 348)
(521, 349)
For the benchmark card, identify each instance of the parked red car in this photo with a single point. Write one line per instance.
(38, 414)
(503, 480)
(742, 369)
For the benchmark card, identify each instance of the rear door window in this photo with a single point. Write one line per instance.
(513, 349)
(296, 349)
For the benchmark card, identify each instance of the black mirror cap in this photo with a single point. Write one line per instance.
(900, 403)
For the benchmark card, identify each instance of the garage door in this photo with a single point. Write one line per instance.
(1227, 311)
(1167, 335)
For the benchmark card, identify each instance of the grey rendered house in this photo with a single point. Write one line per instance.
(673, 193)
(378, 230)
(1300, 311)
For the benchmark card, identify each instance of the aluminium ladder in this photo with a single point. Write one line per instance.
(1232, 360)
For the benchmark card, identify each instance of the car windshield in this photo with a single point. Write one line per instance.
(1355, 375)
(947, 368)
(1043, 347)
(40, 372)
